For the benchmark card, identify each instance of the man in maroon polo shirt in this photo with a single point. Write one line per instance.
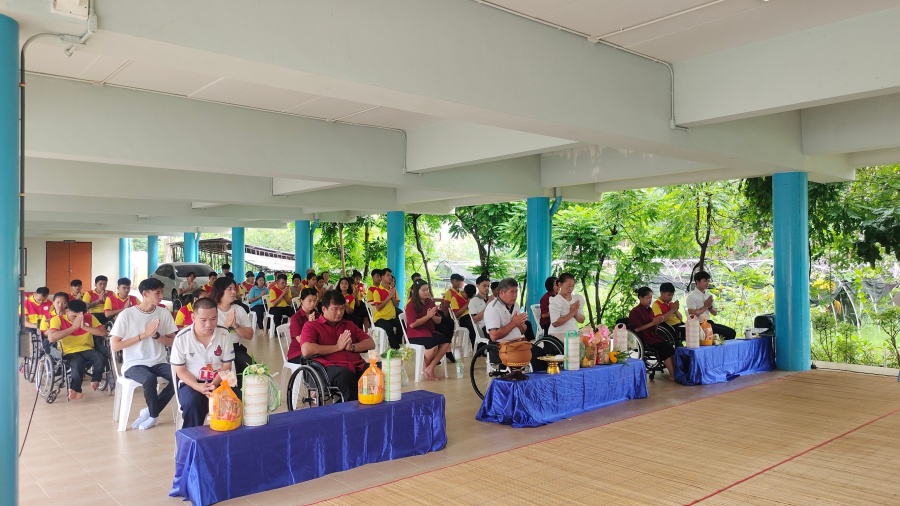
(643, 322)
(337, 344)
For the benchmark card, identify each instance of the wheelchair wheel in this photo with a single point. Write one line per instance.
(46, 378)
(304, 389)
(548, 346)
(29, 364)
(176, 304)
(482, 372)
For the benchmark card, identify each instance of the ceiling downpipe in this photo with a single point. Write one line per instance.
(673, 124)
(556, 202)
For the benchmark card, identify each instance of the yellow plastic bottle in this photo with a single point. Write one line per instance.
(371, 384)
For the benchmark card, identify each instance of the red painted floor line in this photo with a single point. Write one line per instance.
(804, 452)
(552, 438)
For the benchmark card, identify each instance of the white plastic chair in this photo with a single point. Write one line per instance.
(381, 340)
(460, 339)
(124, 394)
(270, 319)
(284, 336)
(536, 312)
(295, 303)
(480, 338)
(253, 321)
(420, 352)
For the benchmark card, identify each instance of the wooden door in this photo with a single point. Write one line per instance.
(67, 261)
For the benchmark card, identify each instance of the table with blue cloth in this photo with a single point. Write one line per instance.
(545, 398)
(301, 445)
(717, 364)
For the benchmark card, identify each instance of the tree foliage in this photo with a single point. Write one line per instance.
(487, 226)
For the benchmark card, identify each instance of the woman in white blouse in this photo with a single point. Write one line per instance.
(566, 308)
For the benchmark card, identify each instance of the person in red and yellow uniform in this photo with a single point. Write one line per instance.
(36, 307)
(212, 279)
(280, 300)
(247, 285)
(75, 291)
(120, 301)
(75, 333)
(96, 298)
(458, 303)
(185, 315)
(383, 296)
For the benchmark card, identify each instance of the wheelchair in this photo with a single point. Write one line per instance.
(483, 370)
(638, 351)
(53, 371)
(308, 387)
(31, 349)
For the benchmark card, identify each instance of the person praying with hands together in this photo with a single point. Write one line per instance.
(235, 320)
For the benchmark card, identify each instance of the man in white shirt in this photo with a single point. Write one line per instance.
(142, 333)
(478, 301)
(505, 321)
(200, 353)
(701, 304)
(566, 307)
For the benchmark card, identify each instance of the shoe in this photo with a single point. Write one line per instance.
(450, 357)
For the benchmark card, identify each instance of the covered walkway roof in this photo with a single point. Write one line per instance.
(201, 116)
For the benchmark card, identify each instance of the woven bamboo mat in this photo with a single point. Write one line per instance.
(697, 450)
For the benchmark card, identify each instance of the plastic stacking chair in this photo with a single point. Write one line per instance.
(284, 339)
(420, 352)
(124, 394)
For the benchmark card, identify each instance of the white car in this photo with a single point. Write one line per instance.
(172, 274)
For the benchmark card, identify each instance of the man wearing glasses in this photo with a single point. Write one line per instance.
(338, 343)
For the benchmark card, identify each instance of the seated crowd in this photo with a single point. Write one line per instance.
(330, 324)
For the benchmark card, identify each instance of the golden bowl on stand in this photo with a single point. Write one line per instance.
(552, 363)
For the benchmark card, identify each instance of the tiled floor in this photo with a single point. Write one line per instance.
(74, 455)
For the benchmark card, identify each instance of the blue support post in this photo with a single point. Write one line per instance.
(791, 238)
(396, 250)
(237, 252)
(537, 237)
(302, 247)
(124, 257)
(9, 259)
(152, 254)
(191, 252)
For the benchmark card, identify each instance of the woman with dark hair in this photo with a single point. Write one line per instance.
(345, 286)
(235, 319)
(643, 322)
(305, 313)
(421, 317)
(256, 298)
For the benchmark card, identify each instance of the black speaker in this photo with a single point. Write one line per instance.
(765, 321)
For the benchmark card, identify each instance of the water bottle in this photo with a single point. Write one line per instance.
(459, 367)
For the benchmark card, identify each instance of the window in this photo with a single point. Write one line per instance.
(200, 270)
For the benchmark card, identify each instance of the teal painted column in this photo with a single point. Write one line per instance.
(396, 250)
(152, 254)
(791, 238)
(9, 258)
(191, 253)
(537, 234)
(302, 247)
(124, 257)
(237, 252)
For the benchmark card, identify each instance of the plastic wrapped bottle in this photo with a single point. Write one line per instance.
(370, 389)
(459, 367)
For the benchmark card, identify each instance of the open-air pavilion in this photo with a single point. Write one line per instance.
(177, 118)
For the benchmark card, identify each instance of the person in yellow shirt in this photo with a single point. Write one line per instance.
(58, 307)
(36, 308)
(665, 306)
(455, 300)
(280, 300)
(384, 297)
(185, 315)
(96, 298)
(212, 279)
(120, 300)
(75, 333)
(75, 292)
(247, 285)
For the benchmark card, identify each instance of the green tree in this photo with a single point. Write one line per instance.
(486, 224)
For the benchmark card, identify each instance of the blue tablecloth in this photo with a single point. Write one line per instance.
(545, 398)
(301, 445)
(718, 364)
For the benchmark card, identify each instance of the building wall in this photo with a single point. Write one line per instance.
(104, 260)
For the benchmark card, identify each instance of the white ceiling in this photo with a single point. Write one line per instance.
(48, 58)
(679, 30)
